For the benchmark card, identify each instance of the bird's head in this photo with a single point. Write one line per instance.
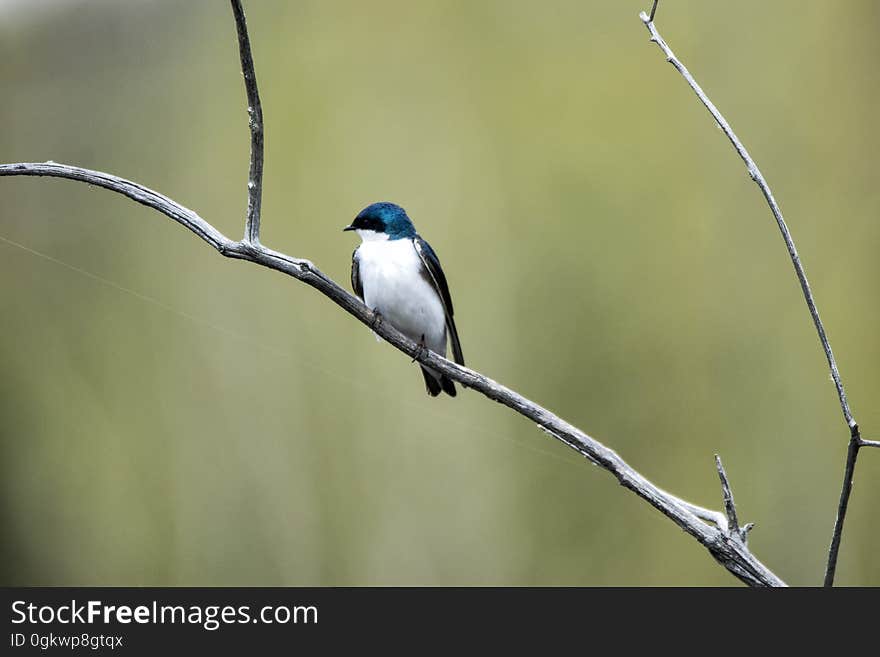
(382, 221)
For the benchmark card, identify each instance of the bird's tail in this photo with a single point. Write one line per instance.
(435, 383)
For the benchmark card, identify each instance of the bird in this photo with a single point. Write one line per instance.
(397, 274)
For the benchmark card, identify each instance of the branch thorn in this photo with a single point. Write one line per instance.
(733, 529)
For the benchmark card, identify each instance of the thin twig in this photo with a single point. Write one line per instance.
(729, 552)
(870, 443)
(727, 495)
(255, 120)
(734, 529)
(756, 175)
(852, 455)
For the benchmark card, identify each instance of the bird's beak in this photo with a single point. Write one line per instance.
(347, 228)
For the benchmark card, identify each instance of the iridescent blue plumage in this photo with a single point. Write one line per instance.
(388, 218)
(398, 275)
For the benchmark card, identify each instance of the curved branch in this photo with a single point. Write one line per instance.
(727, 549)
(135, 191)
(732, 554)
(855, 439)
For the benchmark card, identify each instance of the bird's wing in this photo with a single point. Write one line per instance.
(356, 275)
(438, 279)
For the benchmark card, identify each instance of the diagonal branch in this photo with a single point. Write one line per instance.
(707, 515)
(755, 174)
(727, 550)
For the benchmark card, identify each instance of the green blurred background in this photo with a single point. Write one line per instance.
(170, 417)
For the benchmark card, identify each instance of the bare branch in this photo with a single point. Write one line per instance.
(870, 443)
(756, 175)
(852, 456)
(255, 120)
(734, 530)
(707, 515)
(135, 191)
(728, 551)
(727, 495)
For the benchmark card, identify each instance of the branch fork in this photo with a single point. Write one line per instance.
(754, 172)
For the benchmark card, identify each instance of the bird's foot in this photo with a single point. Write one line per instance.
(421, 351)
(377, 319)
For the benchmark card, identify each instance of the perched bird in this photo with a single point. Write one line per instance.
(397, 274)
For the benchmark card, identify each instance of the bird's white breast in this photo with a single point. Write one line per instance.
(391, 277)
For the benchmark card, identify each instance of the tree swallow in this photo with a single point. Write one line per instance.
(397, 274)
